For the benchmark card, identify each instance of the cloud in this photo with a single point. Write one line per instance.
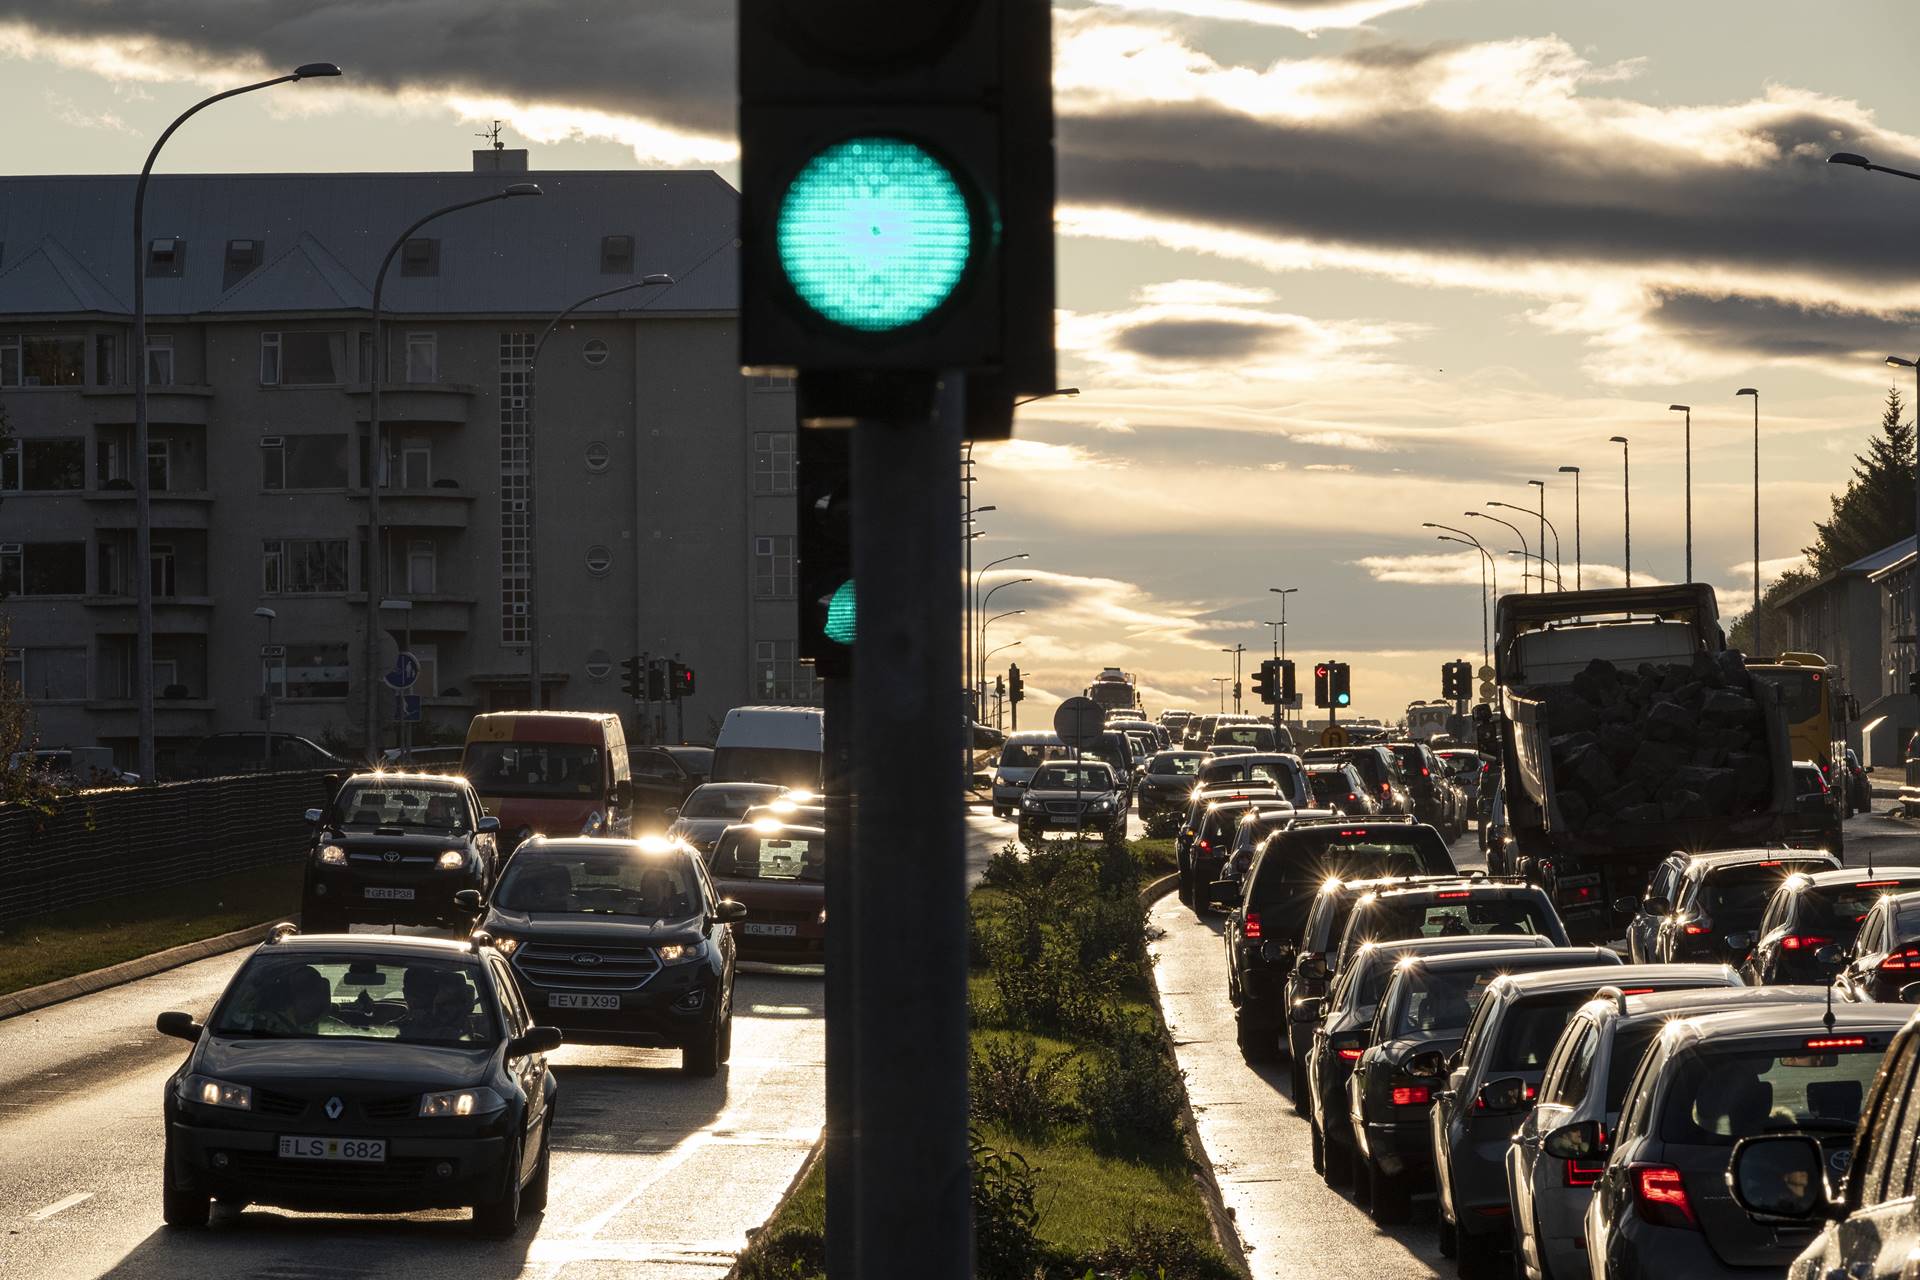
(1199, 339)
(1463, 569)
(1352, 440)
(1027, 455)
(1328, 466)
(1307, 16)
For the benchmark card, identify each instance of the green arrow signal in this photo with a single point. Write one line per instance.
(840, 614)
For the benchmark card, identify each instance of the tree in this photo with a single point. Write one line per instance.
(1765, 629)
(1877, 506)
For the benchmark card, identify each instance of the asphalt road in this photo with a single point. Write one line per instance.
(1260, 1148)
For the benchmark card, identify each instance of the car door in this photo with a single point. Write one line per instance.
(1773, 926)
(1644, 931)
(659, 783)
(1861, 977)
(529, 1071)
(1878, 1236)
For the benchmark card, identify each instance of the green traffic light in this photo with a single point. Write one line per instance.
(840, 614)
(874, 233)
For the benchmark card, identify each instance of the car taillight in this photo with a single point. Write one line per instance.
(1458, 893)
(1424, 773)
(1660, 1197)
(1904, 958)
(1386, 789)
(1349, 1053)
(1412, 1095)
(1206, 846)
(1584, 1175)
(1250, 927)
(1876, 884)
(1636, 991)
(1802, 942)
(1697, 928)
(1837, 1042)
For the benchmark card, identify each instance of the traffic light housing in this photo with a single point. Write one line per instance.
(631, 678)
(1266, 681)
(823, 483)
(896, 169)
(1456, 681)
(1322, 684)
(1016, 687)
(679, 680)
(1340, 681)
(657, 680)
(1288, 692)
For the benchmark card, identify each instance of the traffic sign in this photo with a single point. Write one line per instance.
(406, 670)
(273, 651)
(406, 706)
(1486, 691)
(1485, 673)
(1078, 722)
(1333, 736)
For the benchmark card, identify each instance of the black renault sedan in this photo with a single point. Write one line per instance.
(621, 942)
(395, 848)
(366, 1074)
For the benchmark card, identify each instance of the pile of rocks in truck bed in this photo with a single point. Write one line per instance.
(1658, 743)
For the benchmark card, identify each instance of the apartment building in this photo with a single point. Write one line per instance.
(664, 518)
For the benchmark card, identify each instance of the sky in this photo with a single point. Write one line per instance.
(1328, 269)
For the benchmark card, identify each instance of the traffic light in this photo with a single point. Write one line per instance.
(1321, 681)
(1456, 681)
(1016, 687)
(823, 482)
(1237, 693)
(657, 680)
(1287, 690)
(896, 170)
(630, 678)
(1340, 681)
(1265, 681)
(679, 680)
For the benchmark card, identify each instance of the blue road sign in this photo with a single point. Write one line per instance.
(406, 670)
(406, 706)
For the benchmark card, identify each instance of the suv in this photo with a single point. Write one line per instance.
(1435, 799)
(663, 777)
(1213, 843)
(1462, 908)
(1281, 768)
(398, 848)
(1337, 785)
(1378, 767)
(1261, 737)
(1811, 911)
(1719, 900)
(1025, 751)
(1882, 958)
(1069, 796)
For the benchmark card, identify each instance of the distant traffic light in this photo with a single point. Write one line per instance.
(1016, 687)
(630, 679)
(823, 483)
(1321, 681)
(682, 681)
(1287, 690)
(657, 680)
(1456, 681)
(1341, 680)
(1266, 681)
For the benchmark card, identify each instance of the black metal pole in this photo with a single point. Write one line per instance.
(843, 976)
(912, 1202)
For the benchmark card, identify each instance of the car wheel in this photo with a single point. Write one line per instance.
(1392, 1196)
(1186, 884)
(534, 1198)
(182, 1205)
(1476, 1256)
(726, 1033)
(498, 1219)
(701, 1059)
(1257, 1043)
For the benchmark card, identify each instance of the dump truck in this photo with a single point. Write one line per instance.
(1629, 730)
(1114, 690)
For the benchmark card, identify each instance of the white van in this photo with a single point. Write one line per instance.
(772, 744)
(1025, 751)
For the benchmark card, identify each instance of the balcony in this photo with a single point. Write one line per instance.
(179, 614)
(402, 403)
(174, 405)
(171, 509)
(422, 508)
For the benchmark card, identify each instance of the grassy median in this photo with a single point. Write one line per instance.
(61, 944)
(1080, 1163)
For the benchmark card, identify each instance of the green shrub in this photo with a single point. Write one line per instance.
(1051, 989)
(1131, 1093)
(1162, 1252)
(1008, 1088)
(793, 1253)
(1005, 1246)
(1110, 932)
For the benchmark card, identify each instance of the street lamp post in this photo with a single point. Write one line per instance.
(968, 534)
(403, 607)
(534, 683)
(973, 597)
(1516, 533)
(1541, 487)
(142, 488)
(1546, 527)
(266, 749)
(1283, 593)
(1688, 410)
(376, 452)
(1011, 613)
(1487, 564)
(1626, 499)
(1236, 651)
(1011, 582)
(1276, 636)
(1222, 682)
(1579, 583)
(1755, 393)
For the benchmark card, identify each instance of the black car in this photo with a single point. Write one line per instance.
(397, 848)
(362, 1073)
(663, 777)
(1811, 911)
(1213, 844)
(1165, 787)
(1435, 799)
(1378, 768)
(1815, 820)
(1718, 900)
(1282, 768)
(1463, 909)
(244, 751)
(621, 942)
(1267, 914)
(1338, 785)
(714, 807)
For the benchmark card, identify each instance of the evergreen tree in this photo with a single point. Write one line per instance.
(1877, 506)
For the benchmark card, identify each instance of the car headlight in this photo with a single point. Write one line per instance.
(504, 945)
(1101, 805)
(460, 1102)
(333, 855)
(216, 1093)
(681, 952)
(1030, 802)
(452, 860)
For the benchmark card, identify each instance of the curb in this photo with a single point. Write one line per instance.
(85, 984)
(1225, 1235)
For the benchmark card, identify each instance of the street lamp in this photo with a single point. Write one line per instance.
(1047, 395)
(1526, 558)
(967, 536)
(1223, 682)
(1578, 577)
(988, 599)
(1011, 613)
(1861, 162)
(266, 750)
(1626, 498)
(1546, 526)
(1487, 563)
(1754, 392)
(534, 682)
(1516, 533)
(973, 596)
(1688, 410)
(142, 489)
(1283, 593)
(376, 449)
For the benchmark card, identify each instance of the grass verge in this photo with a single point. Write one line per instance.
(1080, 1166)
(59, 945)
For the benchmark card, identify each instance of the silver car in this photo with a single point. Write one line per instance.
(1024, 752)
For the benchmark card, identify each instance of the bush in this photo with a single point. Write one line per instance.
(1162, 1252)
(1009, 1089)
(1110, 932)
(1132, 1093)
(1050, 989)
(1004, 1214)
(794, 1253)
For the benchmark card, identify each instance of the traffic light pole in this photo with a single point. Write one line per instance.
(912, 1201)
(844, 973)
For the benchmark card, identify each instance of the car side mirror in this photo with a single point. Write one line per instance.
(534, 1040)
(1313, 965)
(1831, 955)
(1626, 906)
(487, 825)
(673, 813)
(1779, 1177)
(1586, 1140)
(1307, 1010)
(1739, 941)
(180, 1026)
(623, 791)
(728, 911)
(1910, 994)
(1657, 907)
(1276, 952)
(468, 900)
(1223, 894)
(1501, 1097)
(1427, 1064)
(314, 816)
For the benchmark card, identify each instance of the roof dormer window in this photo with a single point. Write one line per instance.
(243, 257)
(166, 256)
(420, 256)
(616, 255)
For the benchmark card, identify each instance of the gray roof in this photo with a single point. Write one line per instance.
(1889, 555)
(65, 242)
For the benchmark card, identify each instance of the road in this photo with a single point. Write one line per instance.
(1259, 1146)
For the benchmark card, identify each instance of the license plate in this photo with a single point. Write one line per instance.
(566, 1000)
(773, 930)
(350, 1150)
(397, 895)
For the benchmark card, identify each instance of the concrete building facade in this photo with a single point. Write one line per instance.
(665, 512)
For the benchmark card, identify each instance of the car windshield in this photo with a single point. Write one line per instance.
(1801, 687)
(1808, 782)
(1071, 777)
(1838, 910)
(754, 855)
(299, 996)
(1331, 784)
(1468, 915)
(1251, 735)
(1175, 764)
(1030, 755)
(1531, 1028)
(1720, 1096)
(363, 806)
(725, 802)
(609, 881)
(535, 768)
(1437, 1003)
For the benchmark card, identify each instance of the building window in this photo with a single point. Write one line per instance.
(423, 567)
(773, 566)
(599, 560)
(303, 462)
(243, 256)
(423, 357)
(516, 370)
(416, 464)
(303, 566)
(106, 360)
(310, 671)
(49, 675)
(160, 570)
(773, 462)
(598, 456)
(594, 352)
(159, 466)
(772, 382)
(166, 257)
(779, 675)
(29, 361)
(420, 256)
(43, 568)
(160, 361)
(38, 466)
(616, 255)
(302, 358)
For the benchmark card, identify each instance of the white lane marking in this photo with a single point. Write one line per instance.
(60, 1206)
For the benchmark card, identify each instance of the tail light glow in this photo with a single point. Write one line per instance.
(1903, 959)
(1417, 1095)
(1349, 1053)
(1802, 942)
(1660, 1197)
(1837, 1042)
(1636, 991)
(1583, 1175)
(1250, 927)
(1877, 884)
(1453, 893)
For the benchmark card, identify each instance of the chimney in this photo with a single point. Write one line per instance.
(503, 161)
